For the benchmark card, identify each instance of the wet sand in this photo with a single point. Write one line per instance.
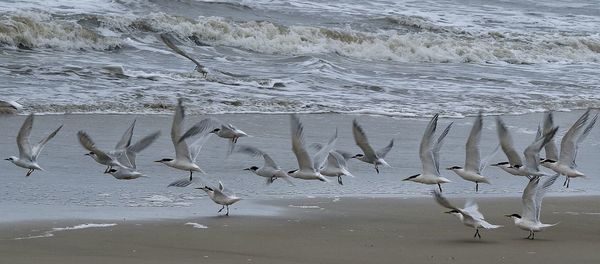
(322, 230)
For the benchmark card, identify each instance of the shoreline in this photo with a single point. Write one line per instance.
(325, 231)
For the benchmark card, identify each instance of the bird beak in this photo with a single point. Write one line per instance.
(494, 164)
(6, 159)
(449, 212)
(86, 154)
(450, 168)
(158, 161)
(247, 169)
(508, 215)
(406, 179)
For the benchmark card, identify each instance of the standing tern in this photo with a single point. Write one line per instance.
(184, 158)
(307, 165)
(28, 153)
(565, 163)
(515, 165)
(532, 205)
(218, 128)
(369, 155)
(469, 215)
(474, 166)
(269, 170)
(430, 157)
(221, 196)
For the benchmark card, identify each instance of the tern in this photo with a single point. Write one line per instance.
(218, 128)
(184, 157)
(199, 67)
(9, 107)
(532, 205)
(336, 164)
(221, 196)
(127, 170)
(269, 170)
(110, 158)
(28, 153)
(369, 155)
(429, 154)
(515, 165)
(308, 166)
(469, 215)
(565, 163)
(474, 166)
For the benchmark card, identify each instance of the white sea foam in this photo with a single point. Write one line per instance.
(50, 233)
(196, 225)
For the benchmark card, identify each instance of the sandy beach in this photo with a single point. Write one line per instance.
(346, 230)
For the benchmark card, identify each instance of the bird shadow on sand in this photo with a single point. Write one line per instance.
(470, 241)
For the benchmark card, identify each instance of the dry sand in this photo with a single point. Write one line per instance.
(320, 230)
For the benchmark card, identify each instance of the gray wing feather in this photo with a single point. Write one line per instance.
(126, 138)
(37, 148)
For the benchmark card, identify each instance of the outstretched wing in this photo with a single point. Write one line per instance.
(540, 193)
(204, 125)
(126, 138)
(506, 143)
(551, 150)
(86, 141)
(472, 157)
(23, 139)
(167, 40)
(384, 151)
(361, 139)
(568, 144)
(438, 146)
(321, 156)
(37, 148)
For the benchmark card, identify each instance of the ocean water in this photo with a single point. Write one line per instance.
(392, 64)
(397, 58)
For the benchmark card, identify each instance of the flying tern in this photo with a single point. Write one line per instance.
(532, 205)
(565, 163)
(429, 154)
(474, 166)
(307, 165)
(269, 170)
(28, 153)
(185, 157)
(469, 215)
(110, 158)
(369, 154)
(218, 128)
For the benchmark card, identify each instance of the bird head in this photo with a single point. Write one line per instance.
(216, 130)
(454, 211)
(253, 168)
(11, 158)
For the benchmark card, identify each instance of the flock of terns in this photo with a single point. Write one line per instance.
(323, 161)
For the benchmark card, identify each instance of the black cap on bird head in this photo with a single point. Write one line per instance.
(253, 168)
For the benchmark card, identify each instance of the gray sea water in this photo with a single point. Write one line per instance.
(399, 58)
(74, 187)
(392, 64)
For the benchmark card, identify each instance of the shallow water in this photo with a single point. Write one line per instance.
(73, 185)
(399, 58)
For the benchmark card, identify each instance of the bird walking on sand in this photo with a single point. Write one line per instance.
(429, 154)
(532, 205)
(28, 153)
(565, 163)
(221, 196)
(474, 166)
(469, 215)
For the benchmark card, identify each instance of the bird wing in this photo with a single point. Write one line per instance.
(568, 144)
(472, 157)
(540, 193)
(130, 153)
(253, 151)
(506, 143)
(320, 157)
(182, 151)
(528, 199)
(197, 145)
(126, 138)
(438, 146)
(37, 148)
(345, 154)
(532, 151)
(336, 159)
(167, 40)
(425, 148)
(487, 159)
(551, 150)
(23, 139)
(472, 209)
(361, 140)
(204, 125)
(441, 200)
(384, 151)
(86, 141)
(582, 137)
(304, 159)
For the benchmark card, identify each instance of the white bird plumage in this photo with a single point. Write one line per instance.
(269, 170)
(469, 215)
(306, 164)
(221, 196)
(429, 155)
(532, 205)
(28, 153)
(369, 155)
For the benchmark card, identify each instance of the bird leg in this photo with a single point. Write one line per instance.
(340, 180)
(376, 168)
(529, 236)
(476, 186)
(440, 186)
(221, 209)
(29, 172)
(532, 235)
(227, 214)
(273, 178)
(567, 181)
(190, 175)
(477, 233)
(107, 169)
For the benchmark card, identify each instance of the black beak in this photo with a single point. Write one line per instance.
(247, 169)
(6, 159)
(157, 160)
(449, 212)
